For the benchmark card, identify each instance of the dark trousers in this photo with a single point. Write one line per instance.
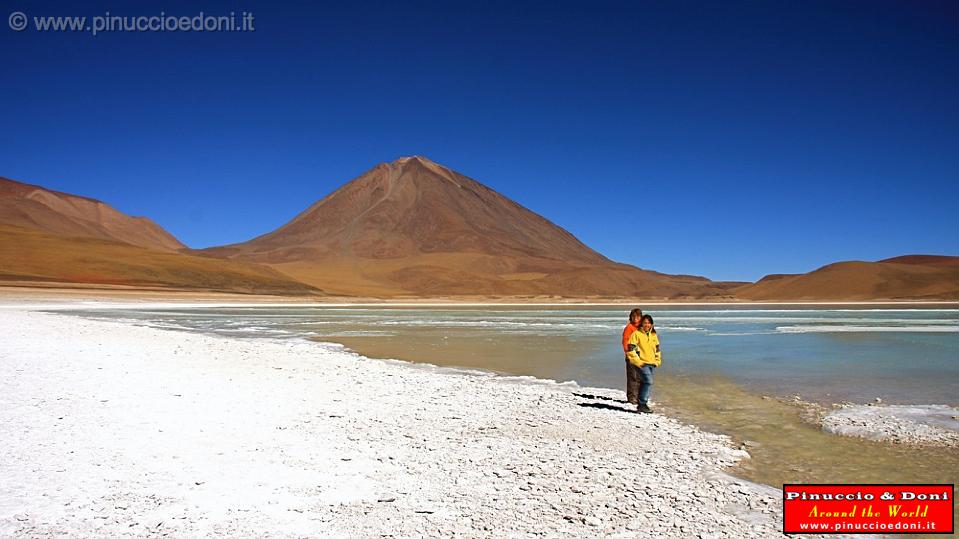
(633, 381)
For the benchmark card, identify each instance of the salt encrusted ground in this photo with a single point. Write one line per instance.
(109, 429)
(936, 425)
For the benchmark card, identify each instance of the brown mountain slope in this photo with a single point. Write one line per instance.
(33, 256)
(32, 206)
(922, 277)
(413, 227)
(925, 260)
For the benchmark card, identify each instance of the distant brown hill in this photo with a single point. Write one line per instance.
(31, 206)
(415, 228)
(52, 237)
(34, 257)
(919, 277)
(925, 260)
(410, 228)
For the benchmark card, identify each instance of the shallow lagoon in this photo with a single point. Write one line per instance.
(904, 355)
(721, 365)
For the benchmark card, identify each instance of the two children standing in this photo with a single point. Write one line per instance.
(641, 345)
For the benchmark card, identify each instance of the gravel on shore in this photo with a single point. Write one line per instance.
(112, 429)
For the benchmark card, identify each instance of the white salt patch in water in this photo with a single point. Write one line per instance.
(933, 424)
(678, 328)
(867, 329)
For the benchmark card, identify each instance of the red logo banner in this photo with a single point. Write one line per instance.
(873, 509)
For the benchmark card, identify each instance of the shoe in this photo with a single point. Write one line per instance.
(644, 409)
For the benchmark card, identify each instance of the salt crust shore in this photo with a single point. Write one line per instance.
(110, 429)
(934, 425)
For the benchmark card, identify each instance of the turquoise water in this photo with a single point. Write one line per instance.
(718, 362)
(904, 355)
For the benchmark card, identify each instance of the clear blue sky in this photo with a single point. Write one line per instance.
(744, 138)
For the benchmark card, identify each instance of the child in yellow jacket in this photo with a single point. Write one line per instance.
(645, 353)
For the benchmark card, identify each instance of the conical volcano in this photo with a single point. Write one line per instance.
(416, 228)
